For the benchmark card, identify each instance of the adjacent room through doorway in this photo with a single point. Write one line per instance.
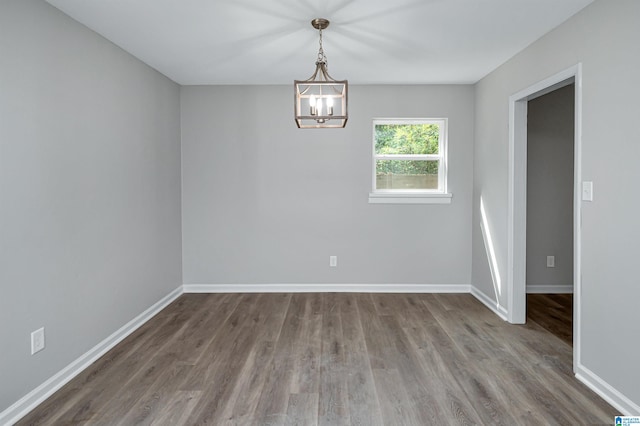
(550, 216)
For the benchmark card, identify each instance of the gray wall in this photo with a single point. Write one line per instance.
(604, 37)
(89, 191)
(265, 202)
(550, 131)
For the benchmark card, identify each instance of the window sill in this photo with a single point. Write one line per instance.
(408, 198)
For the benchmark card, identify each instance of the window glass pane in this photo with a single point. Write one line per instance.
(403, 174)
(407, 138)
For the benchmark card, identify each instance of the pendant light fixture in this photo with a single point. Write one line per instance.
(320, 101)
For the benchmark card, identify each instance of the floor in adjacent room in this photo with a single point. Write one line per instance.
(554, 313)
(331, 359)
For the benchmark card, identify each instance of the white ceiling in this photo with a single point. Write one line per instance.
(367, 42)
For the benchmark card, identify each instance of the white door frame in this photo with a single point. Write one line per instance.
(517, 215)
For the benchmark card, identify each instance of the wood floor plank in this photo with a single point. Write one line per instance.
(177, 408)
(155, 363)
(333, 358)
(448, 369)
(553, 312)
(333, 405)
(227, 355)
(252, 377)
(393, 399)
(396, 352)
(432, 406)
(148, 408)
(305, 377)
(522, 385)
(273, 401)
(364, 408)
(377, 343)
(302, 409)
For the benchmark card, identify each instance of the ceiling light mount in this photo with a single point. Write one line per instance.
(320, 101)
(320, 24)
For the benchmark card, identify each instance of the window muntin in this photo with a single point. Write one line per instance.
(409, 156)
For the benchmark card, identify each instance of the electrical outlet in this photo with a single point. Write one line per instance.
(551, 261)
(333, 261)
(37, 340)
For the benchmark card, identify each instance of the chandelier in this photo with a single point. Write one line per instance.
(320, 101)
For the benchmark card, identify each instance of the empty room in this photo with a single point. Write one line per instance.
(319, 213)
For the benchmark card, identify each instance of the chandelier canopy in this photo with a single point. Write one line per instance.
(320, 101)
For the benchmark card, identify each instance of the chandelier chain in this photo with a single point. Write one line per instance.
(321, 56)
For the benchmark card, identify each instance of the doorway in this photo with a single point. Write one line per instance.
(517, 215)
(549, 239)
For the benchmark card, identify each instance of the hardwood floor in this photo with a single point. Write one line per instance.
(329, 359)
(554, 313)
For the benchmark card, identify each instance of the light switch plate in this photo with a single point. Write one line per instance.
(37, 340)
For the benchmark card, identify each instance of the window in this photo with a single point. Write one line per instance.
(410, 161)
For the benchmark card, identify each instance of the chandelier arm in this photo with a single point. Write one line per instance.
(313, 77)
(326, 74)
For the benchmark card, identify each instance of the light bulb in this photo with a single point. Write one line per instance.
(329, 106)
(319, 106)
(312, 105)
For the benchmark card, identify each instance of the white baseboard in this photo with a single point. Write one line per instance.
(499, 310)
(607, 392)
(549, 289)
(327, 288)
(31, 400)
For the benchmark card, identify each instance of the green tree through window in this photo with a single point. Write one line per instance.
(408, 156)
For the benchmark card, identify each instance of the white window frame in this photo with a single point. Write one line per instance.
(412, 196)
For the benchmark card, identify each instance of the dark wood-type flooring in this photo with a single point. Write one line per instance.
(554, 313)
(329, 359)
